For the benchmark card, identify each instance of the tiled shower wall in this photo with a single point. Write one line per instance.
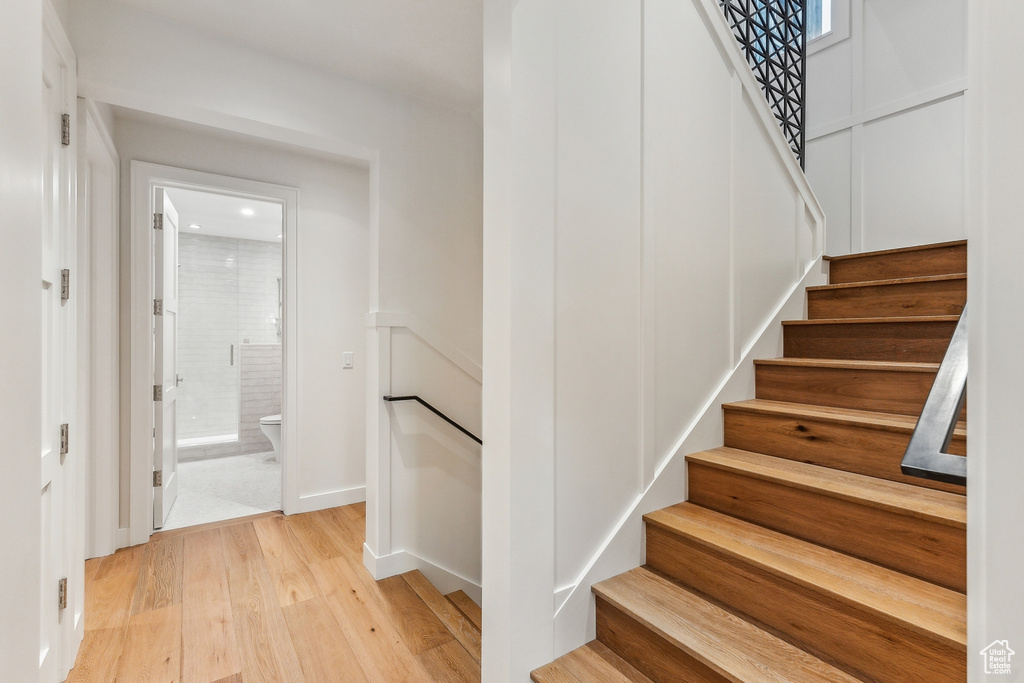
(228, 295)
(261, 394)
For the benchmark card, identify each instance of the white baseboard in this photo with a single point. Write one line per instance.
(331, 499)
(398, 563)
(123, 537)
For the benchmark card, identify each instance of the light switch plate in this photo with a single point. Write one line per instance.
(346, 359)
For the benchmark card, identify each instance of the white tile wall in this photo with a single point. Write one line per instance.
(261, 393)
(228, 293)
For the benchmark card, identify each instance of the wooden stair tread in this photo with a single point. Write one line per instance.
(932, 611)
(894, 366)
(887, 282)
(467, 607)
(948, 509)
(729, 645)
(591, 662)
(897, 250)
(871, 321)
(862, 418)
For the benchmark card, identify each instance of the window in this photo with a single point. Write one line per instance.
(827, 23)
(819, 18)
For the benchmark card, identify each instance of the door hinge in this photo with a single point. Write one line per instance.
(158, 392)
(65, 129)
(158, 478)
(65, 439)
(62, 593)
(158, 221)
(65, 285)
(158, 306)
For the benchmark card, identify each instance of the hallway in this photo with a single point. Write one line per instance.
(268, 598)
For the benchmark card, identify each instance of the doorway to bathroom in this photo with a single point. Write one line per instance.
(218, 275)
(230, 326)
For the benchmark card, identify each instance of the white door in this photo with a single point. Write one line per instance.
(62, 568)
(165, 366)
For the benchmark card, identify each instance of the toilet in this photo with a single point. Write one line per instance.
(270, 425)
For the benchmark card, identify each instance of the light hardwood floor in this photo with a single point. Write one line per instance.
(268, 598)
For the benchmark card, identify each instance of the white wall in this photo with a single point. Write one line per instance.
(426, 158)
(995, 471)
(20, 337)
(885, 125)
(333, 247)
(638, 242)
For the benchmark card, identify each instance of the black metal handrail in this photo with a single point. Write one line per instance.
(437, 412)
(926, 455)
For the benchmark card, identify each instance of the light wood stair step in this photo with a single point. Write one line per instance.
(587, 664)
(878, 622)
(672, 634)
(927, 259)
(907, 528)
(881, 386)
(467, 607)
(928, 295)
(915, 339)
(451, 616)
(859, 441)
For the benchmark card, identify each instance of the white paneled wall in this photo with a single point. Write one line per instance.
(885, 118)
(228, 297)
(652, 226)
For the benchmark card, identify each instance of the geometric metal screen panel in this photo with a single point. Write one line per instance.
(771, 34)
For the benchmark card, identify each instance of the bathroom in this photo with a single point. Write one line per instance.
(229, 357)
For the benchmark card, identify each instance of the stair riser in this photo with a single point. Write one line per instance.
(646, 651)
(930, 551)
(852, 448)
(941, 297)
(935, 261)
(847, 635)
(919, 342)
(885, 391)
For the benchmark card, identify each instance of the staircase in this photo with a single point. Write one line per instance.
(803, 553)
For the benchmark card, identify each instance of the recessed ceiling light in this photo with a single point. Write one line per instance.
(278, 237)
(195, 226)
(247, 212)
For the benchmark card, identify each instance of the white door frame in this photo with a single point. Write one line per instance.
(145, 177)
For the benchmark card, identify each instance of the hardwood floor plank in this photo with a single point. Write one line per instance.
(317, 543)
(160, 576)
(287, 561)
(108, 601)
(381, 652)
(152, 650)
(451, 616)
(468, 607)
(450, 663)
(124, 561)
(264, 644)
(100, 656)
(320, 643)
(209, 648)
(417, 624)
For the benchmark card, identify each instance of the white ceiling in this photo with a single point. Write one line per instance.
(431, 49)
(222, 216)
